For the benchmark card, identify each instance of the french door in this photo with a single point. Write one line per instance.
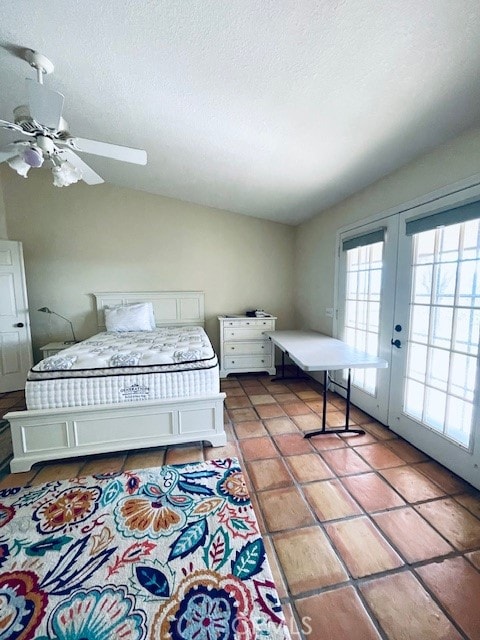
(428, 329)
(367, 272)
(434, 391)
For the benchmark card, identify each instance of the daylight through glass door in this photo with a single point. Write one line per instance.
(444, 326)
(362, 306)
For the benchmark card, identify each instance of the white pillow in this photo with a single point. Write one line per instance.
(130, 317)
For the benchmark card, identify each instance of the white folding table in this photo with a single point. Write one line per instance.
(314, 351)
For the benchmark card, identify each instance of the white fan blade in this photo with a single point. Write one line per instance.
(14, 127)
(9, 151)
(115, 151)
(45, 105)
(88, 175)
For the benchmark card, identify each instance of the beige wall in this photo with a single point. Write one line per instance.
(82, 239)
(316, 239)
(3, 213)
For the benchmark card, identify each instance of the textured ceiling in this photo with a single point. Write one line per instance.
(270, 108)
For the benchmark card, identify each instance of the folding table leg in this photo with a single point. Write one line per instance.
(283, 376)
(346, 428)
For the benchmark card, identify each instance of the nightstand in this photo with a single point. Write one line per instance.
(244, 348)
(52, 348)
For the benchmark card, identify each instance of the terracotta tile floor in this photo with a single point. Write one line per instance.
(367, 537)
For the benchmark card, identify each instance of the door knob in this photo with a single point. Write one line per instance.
(19, 324)
(396, 343)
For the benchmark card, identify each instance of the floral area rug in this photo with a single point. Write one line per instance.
(166, 553)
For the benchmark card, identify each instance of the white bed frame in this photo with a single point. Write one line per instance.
(51, 434)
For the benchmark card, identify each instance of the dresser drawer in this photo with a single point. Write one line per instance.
(229, 335)
(261, 347)
(266, 324)
(247, 362)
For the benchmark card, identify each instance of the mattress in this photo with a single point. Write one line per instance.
(113, 367)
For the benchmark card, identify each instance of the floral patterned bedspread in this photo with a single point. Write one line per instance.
(163, 553)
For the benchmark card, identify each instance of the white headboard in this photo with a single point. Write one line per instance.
(169, 307)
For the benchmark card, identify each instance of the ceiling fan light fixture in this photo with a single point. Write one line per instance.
(48, 137)
(19, 165)
(65, 174)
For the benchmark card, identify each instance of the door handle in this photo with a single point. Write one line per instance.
(396, 343)
(19, 324)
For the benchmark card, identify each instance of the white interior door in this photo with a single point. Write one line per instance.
(434, 373)
(367, 271)
(15, 340)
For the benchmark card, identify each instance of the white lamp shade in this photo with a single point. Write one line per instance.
(19, 164)
(65, 174)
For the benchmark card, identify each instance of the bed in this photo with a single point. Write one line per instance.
(140, 401)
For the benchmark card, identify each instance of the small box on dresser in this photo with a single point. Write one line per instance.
(244, 348)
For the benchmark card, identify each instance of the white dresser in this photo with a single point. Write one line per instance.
(244, 347)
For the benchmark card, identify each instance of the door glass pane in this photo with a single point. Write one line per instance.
(470, 239)
(425, 247)
(449, 243)
(444, 330)
(437, 370)
(419, 323)
(442, 318)
(466, 330)
(469, 283)
(415, 392)
(445, 280)
(422, 284)
(417, 365)
(463, 376)
(434, 410)
(459, 416)
(362, 307)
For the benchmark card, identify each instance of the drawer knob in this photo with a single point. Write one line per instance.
(263, 360)
(248, 323)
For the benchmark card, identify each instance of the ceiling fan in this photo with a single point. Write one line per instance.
(47, 136)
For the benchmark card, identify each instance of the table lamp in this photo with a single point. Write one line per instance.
(47, 310)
